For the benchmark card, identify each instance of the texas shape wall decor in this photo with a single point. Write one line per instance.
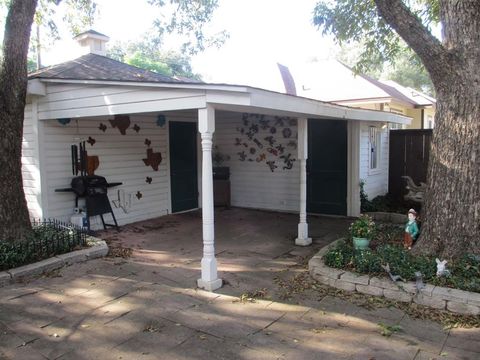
(122, 122)
(153, 159)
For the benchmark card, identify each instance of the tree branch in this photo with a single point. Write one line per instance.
(430, 50)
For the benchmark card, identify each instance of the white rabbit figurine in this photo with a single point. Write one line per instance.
(441, 268)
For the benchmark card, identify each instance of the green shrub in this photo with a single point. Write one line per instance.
(339, 256)
(367, 262)
(47, 239)
(465, 272)
(363, 227)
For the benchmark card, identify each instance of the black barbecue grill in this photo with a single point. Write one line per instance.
(91, 187)
(94, 189)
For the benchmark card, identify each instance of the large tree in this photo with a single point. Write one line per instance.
(452, 206)
(13, 89)
(187, 16)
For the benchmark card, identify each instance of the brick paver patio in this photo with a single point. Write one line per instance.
(146, 306)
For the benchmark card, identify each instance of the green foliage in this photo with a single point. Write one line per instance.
(408, 70)
(363, 227)
(465, 272)
(146, 54)
(388, 330)
(339, 256)
(384, 203)
(141, 61)
(365, 205)
(366, 261)
(31, 65)
(358, 22)
(187, 20)
(45, 241)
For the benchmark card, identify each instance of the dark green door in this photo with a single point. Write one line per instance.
(327, 167)
(183, 165)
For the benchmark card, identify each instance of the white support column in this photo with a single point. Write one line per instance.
(206, 125)
(353, 169)
(303, 239)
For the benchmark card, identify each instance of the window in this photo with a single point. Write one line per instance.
(429, 122)
(375, 143)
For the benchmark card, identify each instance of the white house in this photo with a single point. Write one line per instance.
(155, 135)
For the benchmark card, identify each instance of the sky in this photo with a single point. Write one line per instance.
(262, 33)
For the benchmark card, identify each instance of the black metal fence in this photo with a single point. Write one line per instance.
(48, 238)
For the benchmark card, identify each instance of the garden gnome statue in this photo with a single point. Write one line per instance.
(411, 229)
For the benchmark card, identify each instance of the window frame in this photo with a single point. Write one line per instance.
(374, 132)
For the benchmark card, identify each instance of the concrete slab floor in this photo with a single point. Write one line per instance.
(146, 306)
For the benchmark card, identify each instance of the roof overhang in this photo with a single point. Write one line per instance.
(223, 97)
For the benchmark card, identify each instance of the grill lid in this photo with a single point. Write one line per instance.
(82, 184)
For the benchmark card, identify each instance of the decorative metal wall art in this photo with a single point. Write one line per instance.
(122, 122)
(287, 159)
(286, 133)
(64, 121)
(273, 133)
(161, 120)
(102, 127)
(153, 159)
(136, 128)
(271, 165)
(91, 141)
(139, 195)
(242, 155)
(148, 180)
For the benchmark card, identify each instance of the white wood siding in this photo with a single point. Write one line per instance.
(376, 181)
(120, 159)
(30, 164)
(253, 185)
(63, 100)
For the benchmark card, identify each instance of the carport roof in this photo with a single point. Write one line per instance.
(97, 67)
(93, 69)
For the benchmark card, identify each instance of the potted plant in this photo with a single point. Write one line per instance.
(362, 231)
(220, 172)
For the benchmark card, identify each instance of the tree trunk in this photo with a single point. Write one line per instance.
(452, 206)
(14, 218)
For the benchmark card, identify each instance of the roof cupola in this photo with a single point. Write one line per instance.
(92, 42)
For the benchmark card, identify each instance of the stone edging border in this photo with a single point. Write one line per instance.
(456, 301)
(97, 248)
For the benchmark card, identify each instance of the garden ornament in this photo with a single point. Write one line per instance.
(419, 284)
(394, 278)
(415, 192)
(441, 268)
(411, 229)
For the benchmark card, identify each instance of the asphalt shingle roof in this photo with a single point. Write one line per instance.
(97, 67)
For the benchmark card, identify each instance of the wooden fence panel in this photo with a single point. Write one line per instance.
(409, 153)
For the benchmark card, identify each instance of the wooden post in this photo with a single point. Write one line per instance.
(353, 169)
(302, 238)
(206, 125)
